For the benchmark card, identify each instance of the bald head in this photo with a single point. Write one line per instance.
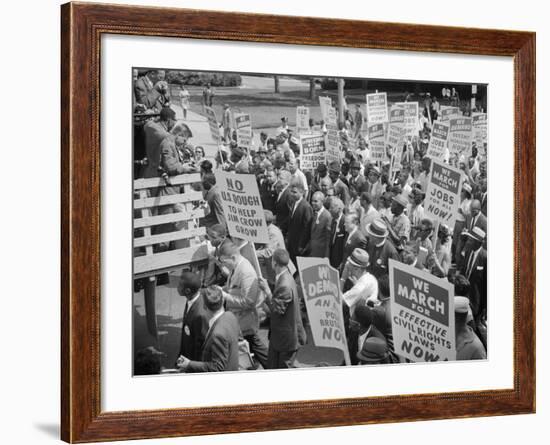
(475, 207)
(317, 201)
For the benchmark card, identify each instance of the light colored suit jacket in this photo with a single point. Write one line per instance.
(241, 296)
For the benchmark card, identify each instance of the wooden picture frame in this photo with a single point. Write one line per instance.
(82, 26)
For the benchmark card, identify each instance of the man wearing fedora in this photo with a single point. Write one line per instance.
(474, 268)
(379, 248)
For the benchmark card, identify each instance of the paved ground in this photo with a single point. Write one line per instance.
(170, 306)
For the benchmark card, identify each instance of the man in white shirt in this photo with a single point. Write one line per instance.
(297, 173)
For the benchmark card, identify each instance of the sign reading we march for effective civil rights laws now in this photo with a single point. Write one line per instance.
(242, 206)
(422, 308)
(323, 303)
(443, 193)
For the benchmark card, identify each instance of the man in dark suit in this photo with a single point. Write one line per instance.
(380, 248)
(213, 198)
(282, 201)
(474, 269)
(155, 133)
(267, 190)
(195, 321)
(220, 351)
(337, 232)
(476, 218)
(301, 217)
(483, 195)
(319, 240)
(286, 332)
(354, 239)
(144, 89)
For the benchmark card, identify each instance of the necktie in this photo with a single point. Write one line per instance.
(470, 265)
(186, 310)
(473, 222)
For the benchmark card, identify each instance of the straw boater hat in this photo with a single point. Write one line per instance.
(377, 228)
(477, 233)
(461, 305)
(401, 200)
(374, 350)
(269, 218)
(334, 166)
(467, 187)
(359, 258)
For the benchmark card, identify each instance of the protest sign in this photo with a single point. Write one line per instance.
(443, 193)
(325, 103)
(438, 141)
(377, 142)
(423, 319)
(320, 286)
(302, 119)
(243, 125)
(460, 135)
(447, 113)
(377, 108)
(411, 117)
(242, 206)
(332, 139)
(479, 123)
(312, 151)
(396, 137)
(213, 123)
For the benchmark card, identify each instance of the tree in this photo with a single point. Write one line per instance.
(276, 79)
(312, 89)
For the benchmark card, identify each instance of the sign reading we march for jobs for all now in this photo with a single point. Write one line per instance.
(242, 206)
(443, 193)
(323, 303)
(422, 309)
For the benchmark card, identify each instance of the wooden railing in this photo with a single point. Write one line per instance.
(185, 241)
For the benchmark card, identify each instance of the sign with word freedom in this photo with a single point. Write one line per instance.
(312, 151)
(213, 123)
(438, 141)
(244, 130)
(423, 319)
(242, 206)
(377, 108)
(443, 193)
(323, 303)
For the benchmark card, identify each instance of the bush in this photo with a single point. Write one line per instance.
(201, 79)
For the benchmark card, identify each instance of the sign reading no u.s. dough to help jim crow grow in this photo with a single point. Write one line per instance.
(422, 311)
(443, 193)
(242, 206)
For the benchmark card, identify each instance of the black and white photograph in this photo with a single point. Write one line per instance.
(289, 221)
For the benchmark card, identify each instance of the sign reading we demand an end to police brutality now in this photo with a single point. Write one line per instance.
(443, 193)
(423, 319)
(242, 206)
(319, 283)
